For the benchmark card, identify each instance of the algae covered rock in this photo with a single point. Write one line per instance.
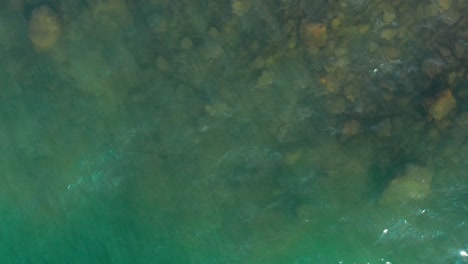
(44, 28)
(413, 184)
(240, 7)
(442, 105)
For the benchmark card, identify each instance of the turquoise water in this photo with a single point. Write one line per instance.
(233, 132)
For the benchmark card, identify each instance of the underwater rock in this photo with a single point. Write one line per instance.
(186, 43)
(433, 66)
(113, 14)
(413, 184)
(240, 7)
(458, 50)
(314, 35)
(162, 64)
(265, 80)
(388, 16)
(383, 128)
(44, 28)
(336, 22)
(336, 105)
(291, 157)
(15, 5)
(443, 5)
(351, 128)
(442, 105)
(388, 34)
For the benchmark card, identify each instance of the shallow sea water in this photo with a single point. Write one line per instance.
(213, 132)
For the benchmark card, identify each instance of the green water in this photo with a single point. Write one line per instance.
(159, 131)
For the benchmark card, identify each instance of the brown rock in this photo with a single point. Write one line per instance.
(392, 53)
(314, 34)
(442, 105)
(44, 28)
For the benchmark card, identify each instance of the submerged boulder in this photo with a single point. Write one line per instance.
(413, 184)
(442, 105)
(44, 28)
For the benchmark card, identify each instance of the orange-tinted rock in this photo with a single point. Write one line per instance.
(443, 104)
(314, 34)
(44, 28)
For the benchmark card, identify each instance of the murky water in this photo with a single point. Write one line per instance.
(242, 131)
